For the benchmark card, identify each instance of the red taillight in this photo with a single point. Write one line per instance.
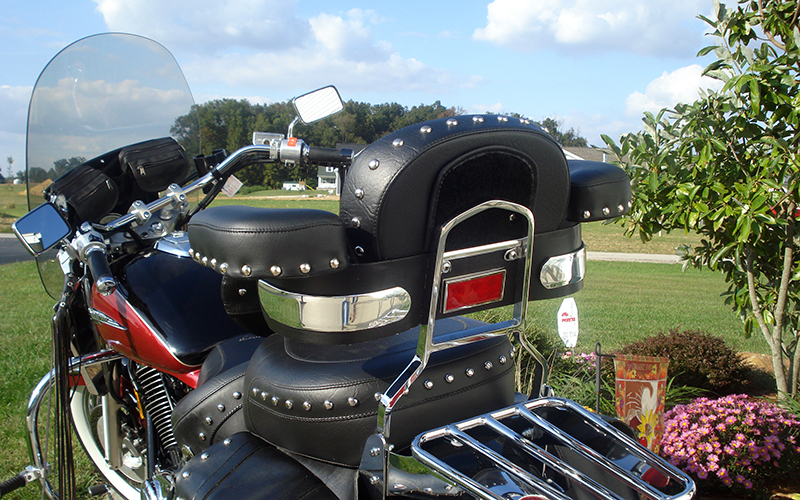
(474, 290)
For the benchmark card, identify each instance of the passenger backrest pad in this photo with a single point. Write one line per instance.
(403, 187)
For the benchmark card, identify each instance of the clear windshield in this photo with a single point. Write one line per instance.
(99, 94)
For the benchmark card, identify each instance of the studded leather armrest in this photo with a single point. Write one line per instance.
(249, 242)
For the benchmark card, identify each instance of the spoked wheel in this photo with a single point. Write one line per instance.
(87, 415)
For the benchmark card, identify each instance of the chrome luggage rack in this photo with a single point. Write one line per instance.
(548, 448)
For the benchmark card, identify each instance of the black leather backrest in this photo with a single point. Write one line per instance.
(402, 188)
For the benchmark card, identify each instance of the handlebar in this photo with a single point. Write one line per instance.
(295, 151)
(329, 156)
(95, 256)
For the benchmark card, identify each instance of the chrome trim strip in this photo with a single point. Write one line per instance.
(101, 318)
(563, 270)
(343, 313)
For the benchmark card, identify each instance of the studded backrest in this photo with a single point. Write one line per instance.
(401, 188)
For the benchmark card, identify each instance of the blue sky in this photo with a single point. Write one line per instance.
(595, 65)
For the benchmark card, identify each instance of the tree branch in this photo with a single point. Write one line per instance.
(769, 35)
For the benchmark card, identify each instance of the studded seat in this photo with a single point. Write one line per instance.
(397, 194)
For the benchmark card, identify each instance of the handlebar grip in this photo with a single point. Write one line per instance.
(96, 261)
(329, 156)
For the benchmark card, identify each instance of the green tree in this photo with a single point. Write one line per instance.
(569, 137)
(727, 167)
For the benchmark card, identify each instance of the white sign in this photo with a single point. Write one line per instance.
(231, 186)
(568, 322)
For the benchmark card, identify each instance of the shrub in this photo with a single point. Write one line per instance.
(697, 359)
(733, 442)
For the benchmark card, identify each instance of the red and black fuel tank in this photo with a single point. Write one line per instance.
(167, 312)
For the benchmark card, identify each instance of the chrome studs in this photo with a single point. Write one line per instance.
(587, 214)
(374, 164)
(377, 396)
(305, 268)
(359, 193)
(223, 268)
(276, 270)
(477, 119)
(621, 208)
(503, 360)
(237, 395)
(469, 372)
(502, 119)
(242, 292)
(213, 263)
(186, 474)
(246, 270)
(227, 442)
(425, 129)
(209, 421)
(263, 396)
(288, 404)
(255, 391)
(306, 406)
(204, 261)
(488, 365)
(202, 436)
(221, 407)
(204, 456)
(334, 263)
(328, 405)
(452, 122)
(398, 143)
(352, 401)
(428, 384)
(449, 378)
(275, 400)
(356, 222)
(359, 251)
(606, 211)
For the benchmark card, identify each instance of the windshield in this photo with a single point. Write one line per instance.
(96, 95)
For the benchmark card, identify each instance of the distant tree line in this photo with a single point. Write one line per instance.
(228, 124)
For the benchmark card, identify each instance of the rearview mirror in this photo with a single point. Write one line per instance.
(318, 104)
(41, 228)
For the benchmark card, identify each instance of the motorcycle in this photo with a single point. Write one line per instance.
(214, 352)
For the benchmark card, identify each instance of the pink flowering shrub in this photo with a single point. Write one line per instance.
(733, 442)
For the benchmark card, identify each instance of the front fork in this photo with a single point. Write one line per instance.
(40, 396)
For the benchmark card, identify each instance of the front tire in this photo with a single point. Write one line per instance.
(87, 417)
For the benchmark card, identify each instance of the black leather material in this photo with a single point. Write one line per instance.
(400, 187)
(288, 384)
(212, 412)
(598, 191)
(240, 298)
(249, 242)
(246, 468)
(226, 355)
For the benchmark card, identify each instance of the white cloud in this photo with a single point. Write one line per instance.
(681, 85)
(14, 106)
(261, 44)
(654, 27)
(209, 24)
